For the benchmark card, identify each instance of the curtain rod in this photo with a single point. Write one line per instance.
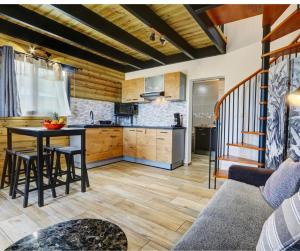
(38, 57)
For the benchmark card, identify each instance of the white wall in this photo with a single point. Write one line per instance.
(243, 57)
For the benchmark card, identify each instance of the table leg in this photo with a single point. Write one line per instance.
(47, 141)
(40, 170)
(9, 139)
(83, 164)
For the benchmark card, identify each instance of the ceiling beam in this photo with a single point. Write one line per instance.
(199, 8)
(17, 31)
(180, 57)
(100, 24)
(209, 28)
(36, 20)
(151, 19)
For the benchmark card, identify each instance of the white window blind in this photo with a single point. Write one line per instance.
(42, 87)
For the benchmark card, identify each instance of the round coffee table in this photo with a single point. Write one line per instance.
(83, 234)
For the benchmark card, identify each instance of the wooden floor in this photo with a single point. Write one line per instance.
(154, 207)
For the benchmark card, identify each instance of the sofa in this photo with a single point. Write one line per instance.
(234, 217)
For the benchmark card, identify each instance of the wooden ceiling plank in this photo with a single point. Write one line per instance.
(34, 37)
(36, 20)
(151, 19)
(209, 28)
(96, 22)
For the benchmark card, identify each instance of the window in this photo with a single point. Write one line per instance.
(42, 87)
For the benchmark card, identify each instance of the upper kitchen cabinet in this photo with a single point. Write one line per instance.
(175, 86)
(132, 89)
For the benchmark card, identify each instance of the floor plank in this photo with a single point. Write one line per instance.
(154, 207)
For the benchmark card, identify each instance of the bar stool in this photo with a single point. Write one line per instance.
(29, 160)
(69, 153)
(51, 150)
(9, 167)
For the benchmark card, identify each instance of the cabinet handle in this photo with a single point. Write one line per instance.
(134, 99)
(113, 136)
(160, 138)
(163, 132)
(139, 131)
(132, 130)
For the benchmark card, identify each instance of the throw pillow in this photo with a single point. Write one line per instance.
(282, 184)
(281, 231)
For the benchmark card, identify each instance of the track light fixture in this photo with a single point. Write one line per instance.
(162, 40)
(152, 36)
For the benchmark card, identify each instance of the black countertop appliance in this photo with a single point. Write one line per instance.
(126, 109)
(178, 120)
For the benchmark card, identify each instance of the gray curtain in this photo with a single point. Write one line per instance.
(9, 100)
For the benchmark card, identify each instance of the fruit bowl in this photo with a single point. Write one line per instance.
(53, 126)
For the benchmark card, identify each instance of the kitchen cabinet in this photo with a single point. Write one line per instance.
(158, 147)
(132, 89)
(164, 146)
(146, 143)
(175, 86)
(103, 143)
(129, 142)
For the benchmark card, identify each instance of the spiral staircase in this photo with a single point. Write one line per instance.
(241, 113)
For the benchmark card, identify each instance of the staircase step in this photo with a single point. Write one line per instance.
(263, 118)
(240, 160)
(264, 71)
(247, 146)
(221, 174)
(254, 133)
(263, 102)
(263, 87)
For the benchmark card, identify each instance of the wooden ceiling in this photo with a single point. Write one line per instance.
(116, 36)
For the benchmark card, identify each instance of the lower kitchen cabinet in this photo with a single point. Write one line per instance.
(146, 144)
(162, 148)
(129, 142)
(102, 145)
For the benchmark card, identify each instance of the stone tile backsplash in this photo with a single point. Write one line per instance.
(156, 113)
(160, 113)
(81, 108)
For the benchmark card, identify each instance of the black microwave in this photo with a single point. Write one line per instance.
(122, 109)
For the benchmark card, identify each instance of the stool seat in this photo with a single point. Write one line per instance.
(30, 155)
(18, 149)
(68, 150)
(52, 147)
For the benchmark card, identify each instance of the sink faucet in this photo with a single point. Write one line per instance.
(92, 117)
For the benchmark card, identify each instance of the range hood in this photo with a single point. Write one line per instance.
(152, 95)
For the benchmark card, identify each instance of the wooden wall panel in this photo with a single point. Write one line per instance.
(90, 81)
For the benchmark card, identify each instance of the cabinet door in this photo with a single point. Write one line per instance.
(139, 89)
(175, 86)
(164, 146)
(132, 89)
(127, 90)
(146, 144)
(116, 135)
(129, 142)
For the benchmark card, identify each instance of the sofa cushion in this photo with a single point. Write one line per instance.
(282, 184)
(232, 220)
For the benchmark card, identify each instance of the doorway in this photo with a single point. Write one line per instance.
(206, 93)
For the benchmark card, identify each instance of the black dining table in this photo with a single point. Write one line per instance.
(41, 133)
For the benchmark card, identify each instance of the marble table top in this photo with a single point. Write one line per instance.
(83, 234)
